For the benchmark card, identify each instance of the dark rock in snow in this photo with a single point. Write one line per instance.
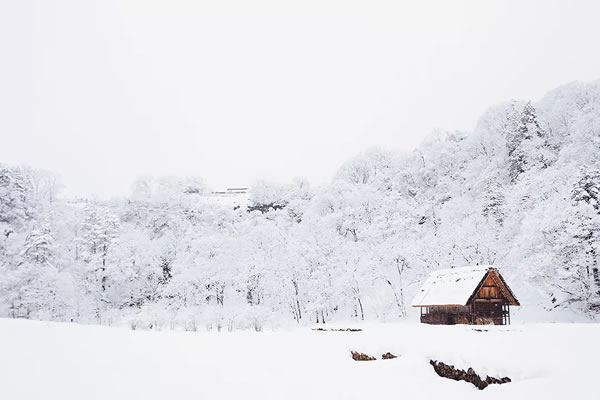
(357, 356)
(338, 330)
(448, 371)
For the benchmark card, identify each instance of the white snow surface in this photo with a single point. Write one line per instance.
(450, 286)
(69, 361)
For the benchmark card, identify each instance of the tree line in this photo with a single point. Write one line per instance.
(522, 191)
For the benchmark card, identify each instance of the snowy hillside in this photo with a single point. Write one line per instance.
(70, 361)
(521, 192)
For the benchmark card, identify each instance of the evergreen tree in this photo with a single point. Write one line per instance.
(587, 187)
(98, 232)
(39, 246)
(527, 144)
(494, 202)
(16, 199)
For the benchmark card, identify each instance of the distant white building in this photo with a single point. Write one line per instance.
(235, 197)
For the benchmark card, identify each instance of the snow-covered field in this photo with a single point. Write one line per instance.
(40, 360)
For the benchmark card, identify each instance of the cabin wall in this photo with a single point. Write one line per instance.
(480, 313)
(489, 303)
(451, 315)
(489, 289)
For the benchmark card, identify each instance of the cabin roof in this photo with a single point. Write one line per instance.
(456, 286)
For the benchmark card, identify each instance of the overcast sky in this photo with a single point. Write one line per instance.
(102, 92)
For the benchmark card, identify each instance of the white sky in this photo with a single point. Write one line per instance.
(104, 91)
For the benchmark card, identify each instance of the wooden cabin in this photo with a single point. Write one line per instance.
(467, 295)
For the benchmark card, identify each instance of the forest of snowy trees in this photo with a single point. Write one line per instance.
(522, 192)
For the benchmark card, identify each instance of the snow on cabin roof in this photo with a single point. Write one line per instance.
(451, 286)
